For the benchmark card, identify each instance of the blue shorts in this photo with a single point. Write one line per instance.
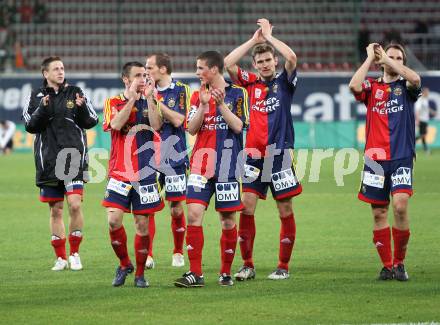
(143, 198)
(393, 176)
(280, 176)
(174, 185)
(227, 194)
(57, 192)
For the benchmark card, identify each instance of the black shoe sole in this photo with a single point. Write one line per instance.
(182, 285)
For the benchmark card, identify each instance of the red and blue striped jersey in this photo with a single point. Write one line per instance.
(270, 117)
(390, 125)
(176, 97)
(214, 135)
(132, 147)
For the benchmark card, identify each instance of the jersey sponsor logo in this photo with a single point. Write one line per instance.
(197, 180)
(240, 107)
(74, 184)
(175, 184)
(373, 180)
(283, 180)
(251, 171)
(212, 123)
(149, 194)
(227, 192)
(266, 106)
(402, 176)
(389, 107)
(118, 187)
(379, 94)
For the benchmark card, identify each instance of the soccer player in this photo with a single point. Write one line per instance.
(422, 116)
(132, 185)
(218, 113)
(389, 149)
(269, 143)
(173, 97)
(57, 114)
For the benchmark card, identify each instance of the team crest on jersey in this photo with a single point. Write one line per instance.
(397, 91)
(229, 105)
(171, 103)
(275, 88)
(379, 94)
(70, 104)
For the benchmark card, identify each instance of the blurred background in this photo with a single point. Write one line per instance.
(95, 38)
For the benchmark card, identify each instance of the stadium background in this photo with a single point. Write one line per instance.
(94, 38)
(334, 262)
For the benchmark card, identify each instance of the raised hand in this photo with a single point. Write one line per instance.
(132, 90)
(80, 100)
(218, 95)
(371, 50)
(150, 89)
(204, 94)
(45, 100)
(258, 37)
(380, 55)
(266, 27)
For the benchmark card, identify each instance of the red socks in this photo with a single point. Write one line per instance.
(246, 238)
(75, 239)
(287, 240)
(141, 244)
(178, 227)
(228, 243)
(194, 244)
(151, 233)
(382, 240)
(118, 240)
(59, 246)
(400, 238)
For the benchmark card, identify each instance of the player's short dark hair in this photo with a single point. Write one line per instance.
(262, 48)
(163, 60)
(213, 59)
(397, 46)
(47, 61)
(127, 68)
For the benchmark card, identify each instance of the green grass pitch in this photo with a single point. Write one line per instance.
(333, 269)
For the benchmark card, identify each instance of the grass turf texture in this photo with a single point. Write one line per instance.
(332, 273)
